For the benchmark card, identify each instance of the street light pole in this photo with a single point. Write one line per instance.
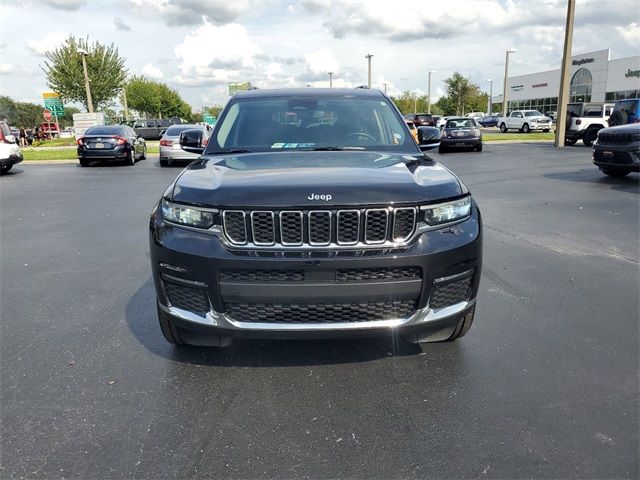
(506, 77)
(87, 87)
(124, 101)
(563, 98)
(490, 100)
(368, 56)
(330, 79)
(429, 93)
(385, 87)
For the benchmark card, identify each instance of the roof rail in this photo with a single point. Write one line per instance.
(363, 86)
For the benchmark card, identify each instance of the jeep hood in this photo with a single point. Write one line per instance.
(306, 179)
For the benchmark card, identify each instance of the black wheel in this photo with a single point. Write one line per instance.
(6, 169)
(590, 136)
(478, 148)
(164, 163)
(616, 173)
(84, 163)
(442, 149)
(618, 117)
(131, 159)
(503, 128)
(144, 153)
(546, 130)
(168, 330)
(525, 128)
(463, 325)
(570, 141)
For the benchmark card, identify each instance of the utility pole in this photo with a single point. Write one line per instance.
(124, 101)
(330, 79)
(490, 99)
(563, 98)
(385, 87)
(429, 93)
(368, 56)
(87, 87)
(506, 78)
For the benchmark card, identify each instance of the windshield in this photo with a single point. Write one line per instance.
(308, 123)
(533, 113)
(461, 123)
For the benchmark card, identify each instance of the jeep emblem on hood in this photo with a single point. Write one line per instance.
(315, 196)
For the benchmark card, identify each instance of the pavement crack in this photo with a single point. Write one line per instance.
(507, 287)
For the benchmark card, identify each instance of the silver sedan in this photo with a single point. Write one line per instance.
(170, 150)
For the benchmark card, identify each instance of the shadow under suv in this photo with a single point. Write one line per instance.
(323, 218)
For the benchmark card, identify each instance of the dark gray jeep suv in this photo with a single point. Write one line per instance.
(313, 213)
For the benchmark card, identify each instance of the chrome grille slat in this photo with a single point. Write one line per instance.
(380, 227)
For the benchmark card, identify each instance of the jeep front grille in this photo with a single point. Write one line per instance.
(319, 228)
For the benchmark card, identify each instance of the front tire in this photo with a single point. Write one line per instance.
(525, 128)
(463, 325)
(503, 128)
(442, 149)
(84, 163)
(616, 173)
(164, 163)
(144, 153)
(131, 159)
(169, 332)
(478, 148)
(570, 141)
(6, 169)
(590, 136)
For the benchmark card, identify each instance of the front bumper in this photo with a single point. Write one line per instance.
(619, 157)
(461, 142)
(11, 160)
(539, 126)
(197, 260)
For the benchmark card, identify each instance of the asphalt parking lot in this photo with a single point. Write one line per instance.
(544, 385)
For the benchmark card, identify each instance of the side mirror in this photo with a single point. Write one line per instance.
(10, 138)
(428, 138)
(192, 141)
(162, 131)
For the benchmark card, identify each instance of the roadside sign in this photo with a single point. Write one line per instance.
(82, 122)
(235, 87)
(53, 102)
(47, 115)
(209, 119)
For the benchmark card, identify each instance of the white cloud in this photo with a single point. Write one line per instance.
(6, 68)
(630, 33)
(68, 5)
(48, 43)
(201, 64)
(150, 70)
(194, 12)
(121, 24)
(322, 62)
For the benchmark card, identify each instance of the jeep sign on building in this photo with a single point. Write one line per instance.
(594, 78)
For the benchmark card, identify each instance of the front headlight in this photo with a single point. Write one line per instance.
(447, 212)
(189, 216)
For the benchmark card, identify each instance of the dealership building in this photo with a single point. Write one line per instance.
(594, 77)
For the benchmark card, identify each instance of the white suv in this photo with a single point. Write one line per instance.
(10, 153)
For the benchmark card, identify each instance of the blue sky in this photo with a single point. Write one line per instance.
(198, 46)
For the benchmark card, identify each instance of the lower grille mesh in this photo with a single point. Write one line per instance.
(450, 293)
(320, 313)
(361, 274)
(263, 275)
(192, 299)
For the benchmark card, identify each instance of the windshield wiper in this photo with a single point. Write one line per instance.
(231, 150)
(336, 149)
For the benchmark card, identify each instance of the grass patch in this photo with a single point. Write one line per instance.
(68, 153)
(491, 137)
(58, 154)
(56, 142)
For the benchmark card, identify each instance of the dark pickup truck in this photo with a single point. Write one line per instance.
(313, 213)
(152, 129)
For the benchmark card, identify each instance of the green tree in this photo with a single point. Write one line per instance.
(156, 99)
(29, 114)
(105, 67)
(459, 90)
(8, 110)
(67, 119)
(410, 102)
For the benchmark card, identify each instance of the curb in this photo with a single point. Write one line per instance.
(48, 162)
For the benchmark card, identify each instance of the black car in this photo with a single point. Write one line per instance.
(490, 121)
(461, 132)
(153, 128)
(322, 218)
(421, 119)
(617, 150)
(111, 142)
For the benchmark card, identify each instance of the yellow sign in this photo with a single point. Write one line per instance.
(50, 95)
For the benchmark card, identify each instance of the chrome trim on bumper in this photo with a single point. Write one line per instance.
(221, 320)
